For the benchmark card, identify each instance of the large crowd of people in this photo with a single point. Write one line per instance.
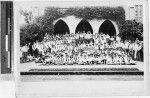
(83, 49)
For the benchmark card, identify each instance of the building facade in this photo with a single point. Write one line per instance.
(136, 13)
(77, 25)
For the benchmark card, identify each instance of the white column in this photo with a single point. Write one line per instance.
(72, 23)
(96, 25)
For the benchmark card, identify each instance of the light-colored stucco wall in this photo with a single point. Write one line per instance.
(73, 21)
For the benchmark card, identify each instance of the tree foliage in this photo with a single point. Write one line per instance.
(30, 33)
(28, 15)
(131, 30)
(116, 14)
(36, 30)
(51, 13)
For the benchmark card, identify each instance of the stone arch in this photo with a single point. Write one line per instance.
(95, 23)
(72, 23)
(61, 28)
(107, 27)
(84, 25)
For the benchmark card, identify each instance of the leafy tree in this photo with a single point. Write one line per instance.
(29, 34)
(28, 15)
(130, 30)
(116, 13)
(46, 21)
(34, 30)
(52, 13)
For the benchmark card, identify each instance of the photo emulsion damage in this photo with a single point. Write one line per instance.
(81, 43)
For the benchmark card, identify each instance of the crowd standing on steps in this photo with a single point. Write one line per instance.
(83, 49)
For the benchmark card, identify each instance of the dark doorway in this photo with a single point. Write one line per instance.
(61, 28)
(84, 26)
(107, 27)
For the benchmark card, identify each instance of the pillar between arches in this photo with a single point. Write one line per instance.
(73, 21)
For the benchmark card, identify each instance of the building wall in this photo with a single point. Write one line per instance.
(139, 13)
(72, 23)
(136, 13)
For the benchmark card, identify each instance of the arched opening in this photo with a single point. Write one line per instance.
(61, 28)
(107, 27)
(84, 27)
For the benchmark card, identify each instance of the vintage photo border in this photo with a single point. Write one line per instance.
(83, 88)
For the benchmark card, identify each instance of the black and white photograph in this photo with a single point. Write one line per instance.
(81, 42)
(80, 48)
(74, 48)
